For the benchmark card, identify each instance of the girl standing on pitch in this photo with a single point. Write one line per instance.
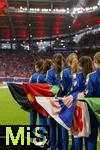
(68, 78)
(77, 78)
(66, 73)
(85, 66)
(93, 90)
(53, 78)
(33, 79)
(42, 79)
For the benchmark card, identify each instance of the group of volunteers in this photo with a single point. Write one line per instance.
(73, 75)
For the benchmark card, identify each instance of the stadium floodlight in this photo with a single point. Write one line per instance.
(62, 41)
(95, 7)
(63, 10)
(21, 7)
(30, 35)
(74, 11)
(38, 9)
(98, 3)
(49, 10)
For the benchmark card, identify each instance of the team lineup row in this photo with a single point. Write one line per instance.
(73, 75)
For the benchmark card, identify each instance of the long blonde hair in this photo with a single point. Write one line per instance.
(75, 66)
(97, 58)
(72, 61)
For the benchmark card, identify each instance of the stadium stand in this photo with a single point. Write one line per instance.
(19, 64)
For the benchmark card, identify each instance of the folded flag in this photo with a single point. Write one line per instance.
(63, 110)
(94, 104)
(25, 94)
(71, 115)
(20, 96)
(67, 111)
(28, 92)
(81, 121)
(33, 90)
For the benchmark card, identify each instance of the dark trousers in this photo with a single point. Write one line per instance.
(62, 136)
(33, 118)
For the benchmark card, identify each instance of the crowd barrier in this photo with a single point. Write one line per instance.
(13, 79)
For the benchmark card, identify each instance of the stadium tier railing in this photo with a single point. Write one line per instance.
(13, 79)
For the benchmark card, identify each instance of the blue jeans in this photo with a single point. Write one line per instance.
(62, 136)
(33, 117)
(78, 143)
(42, 120)
(73, 143)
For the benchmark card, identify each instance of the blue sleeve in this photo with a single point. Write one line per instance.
(81, 82)
(49, 78)
(89, 87)
(66, 82)
(41, 79)
(64, 74)
(34, 77)
(44, 79)
(32, 80)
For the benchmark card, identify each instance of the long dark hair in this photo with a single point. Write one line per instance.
(39, 64)
(58, 61)
(86, 64)
(46, 65)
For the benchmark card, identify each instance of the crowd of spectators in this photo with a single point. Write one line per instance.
(90, 40)
(21, 63)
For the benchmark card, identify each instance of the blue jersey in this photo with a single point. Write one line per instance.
(72, 83)
(41, 78)
(66, 79)
(34, 77)
(81, 79)
(93, 85)
(78, 84)
(52, 78)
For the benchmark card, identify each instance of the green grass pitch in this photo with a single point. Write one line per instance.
(10, 111)
(12, 114)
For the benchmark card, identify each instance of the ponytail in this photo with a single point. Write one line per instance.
(75, 66)
(39, 64)
(97, 58)
(86, 64)
(70, 58)
(58, 62)
(46, 65)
